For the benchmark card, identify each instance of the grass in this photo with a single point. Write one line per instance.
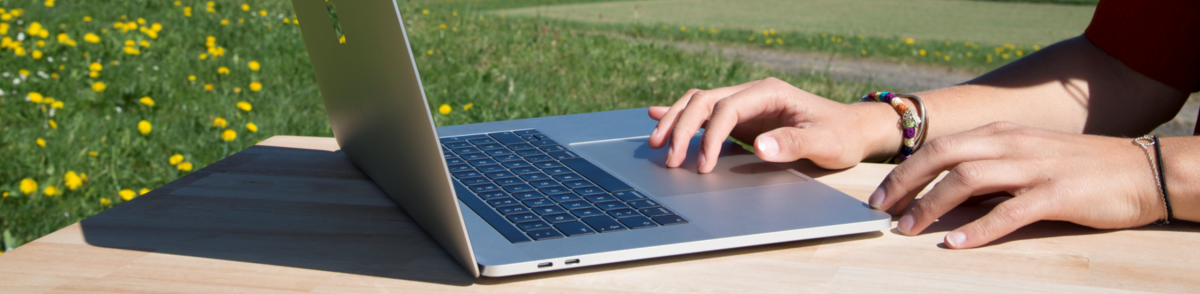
(483, 67)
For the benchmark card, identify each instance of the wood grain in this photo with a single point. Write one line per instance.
(294, 215)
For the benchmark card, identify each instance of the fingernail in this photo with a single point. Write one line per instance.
(768, 145)
(905, 224)
(670, 153)
(876, 199)
(954, 239)
(701, 166)
(654, 133)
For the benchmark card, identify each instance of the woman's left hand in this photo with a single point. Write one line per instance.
(1095, 181)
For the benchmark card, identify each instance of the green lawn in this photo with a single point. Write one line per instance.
(64, 162)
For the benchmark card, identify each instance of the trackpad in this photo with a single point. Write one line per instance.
(632, 160)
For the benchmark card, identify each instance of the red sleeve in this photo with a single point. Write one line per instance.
(1160, 38)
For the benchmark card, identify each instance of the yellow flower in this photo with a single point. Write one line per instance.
(187, 11)
(34, 97)
(237, 90)
(37, 54)
(96, 66)
(203, 56)
(105, 202)
(947, 57)
(129, 43)
(147, 101)
(28, 186)
(908, 41)
(255, 86)
(50, 191)
(91, 38)
(132, 51)
(93, 153)
(53, 125)
(244, 106)
(127, 194)
(442, 26)
(87, 18)
(144, 127)
(228, 135)
(253, 128)
(428, 52)
(245, 7)
(141, 21)
(253, 65)
(191, 78)
(98, 86)
(48, 100)
(41, 142)
(445, 109)
(94, 74)
(262, 12)
(342, 39)
(922, 52)
(1036, 47)
(424, 11)
(184, 166)
(468, 106)
(223, 70)
(175, 159)
(3, 195)
(144, 43)
(224, 22)
(208, 87)
(219, 122)
(143, 191)
(72, 180)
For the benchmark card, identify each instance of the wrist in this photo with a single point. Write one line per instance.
(878, 126)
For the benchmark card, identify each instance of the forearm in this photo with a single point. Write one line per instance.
(1181, 162)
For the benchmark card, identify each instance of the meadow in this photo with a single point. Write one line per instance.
(102, 101)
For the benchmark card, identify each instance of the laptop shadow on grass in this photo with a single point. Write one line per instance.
(308, 209)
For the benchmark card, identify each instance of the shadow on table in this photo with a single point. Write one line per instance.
(307, 209)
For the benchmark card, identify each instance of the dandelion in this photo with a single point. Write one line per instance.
(224, 22)
(208, 87)
(262, 12)
(251, 127)
(203, 56)
(143, 191)
(87, 19)
(864, 52)
(51, 191)
(40, 142)
(445, 109)
(1005, 56)
(424, 11)
(244, 106)
(28, 186)
(908, 41)
(132, 51)
(779, 40)
(175, 159)
(219, 122)
(947, 57)
(96, 66)
(245, 7)
(144, 43)
(37, 54)
(53, 125)
(254, 66)
(1019, 53)
(237, 90)
(105, 202)
(191, 78)
(98, 86)
(94, 74)
(93, 153)
(922, 52)
(428, 52)
(255, 86)
(228, 135)
(144, 127)
(72, 180)
(184, 166)
(223, 70)
(468, 106)
(751, 39)
(1036, 47)
(34, 97)
(342, 39)
(127, 194)
(442, 26)
(147, 101)
(187, 11)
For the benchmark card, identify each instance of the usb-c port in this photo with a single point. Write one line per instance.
(545, 264)
(572, 261)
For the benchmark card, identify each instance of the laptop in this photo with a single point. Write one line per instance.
(533, 195)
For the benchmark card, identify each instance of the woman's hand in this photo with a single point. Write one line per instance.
(784, 123)
(1100, 182)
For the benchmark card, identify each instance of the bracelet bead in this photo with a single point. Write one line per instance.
(910, 133)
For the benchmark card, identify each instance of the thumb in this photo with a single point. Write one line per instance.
(790, 144)
(657, 112)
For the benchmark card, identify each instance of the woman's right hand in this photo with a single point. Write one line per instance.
(785, 124)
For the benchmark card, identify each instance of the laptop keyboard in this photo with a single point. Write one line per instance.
(530, 188)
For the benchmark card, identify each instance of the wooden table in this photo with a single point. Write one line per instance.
(293, 214)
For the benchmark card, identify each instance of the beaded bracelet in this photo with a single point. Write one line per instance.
(913, 124)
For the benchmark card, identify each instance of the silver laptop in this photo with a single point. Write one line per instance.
(533, 195)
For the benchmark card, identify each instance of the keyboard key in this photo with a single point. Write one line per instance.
(643, 204)
(568, 177)
(507, 158)
(538, 158)
(492, 195)
(523, 217)
(555, 190)
(611, 205)
(490, 169)
(540, 202)
(548, 210)
(541, 136)
(526, 132)
(560, 198)
(600, 198)
(573, 229)
(637, 222)
(620, 213)
(484, 188)
(455, 161)
(498, 152)
(525, 171)
(528, 195)
(589, 191)
(534, 226)
(577, 184)
(544, 234)
(535, 177)
(502, 202)
(597, 175)
(475, 181)
(558, 218)
(586, 212)
(604, 224)
(630, 196)
(573, 205)
(519, 147)
(517, 164)
(457, 145)
(491, 147)
(468, 150)
(547, 164)
(448, 156)
(667, 220)
(657, 211)
(557, 170)
(518, 188)
(460, 168)
(500, 175)
(554, 148)
(469, 174)
(512, 210)
(563, 155)
(529, 152)
(482, 162)
(475, 156)
(482, 141)
(448, 140)
(543, 143)
(508, 181)
(543, 184)
(507, 138)
(529, 138)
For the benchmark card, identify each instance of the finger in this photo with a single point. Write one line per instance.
(657, 112)
(666, 122)
(762, 98)
(907, 179)
(1008, 216)
(962, 182)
